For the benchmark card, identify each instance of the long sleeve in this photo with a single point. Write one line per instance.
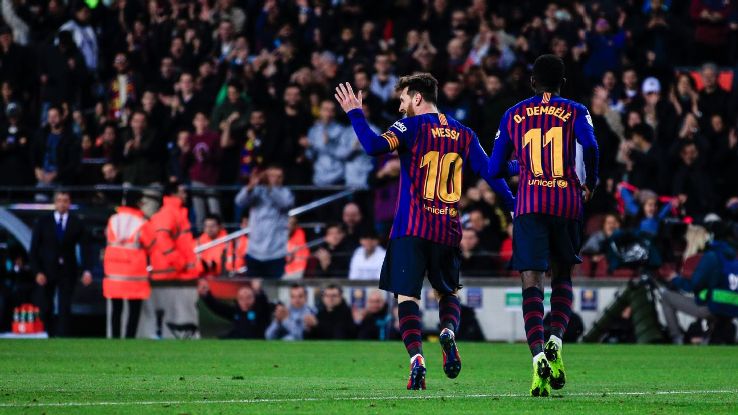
(584, 130)
(281, 197)
(396, 136)
(246, 197)
(479, 164)
(217, 307)
(35, 251)
(503, 147)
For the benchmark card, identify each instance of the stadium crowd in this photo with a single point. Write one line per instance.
(239, 92)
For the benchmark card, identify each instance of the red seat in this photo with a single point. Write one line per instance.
(690, 264)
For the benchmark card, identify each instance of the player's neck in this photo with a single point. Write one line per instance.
(541, 91)
(427, 109)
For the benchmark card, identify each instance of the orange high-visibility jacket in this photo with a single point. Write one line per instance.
(297, 252)
(124, 261)
(210, 261)
(172, 255)
(236, 254)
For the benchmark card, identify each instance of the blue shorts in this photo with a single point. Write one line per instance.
(540, 239)
(409, 258)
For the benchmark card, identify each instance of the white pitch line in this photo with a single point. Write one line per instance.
(352, 398)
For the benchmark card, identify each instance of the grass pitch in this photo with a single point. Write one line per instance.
(242, 377)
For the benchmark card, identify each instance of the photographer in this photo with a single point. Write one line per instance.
(715, 289)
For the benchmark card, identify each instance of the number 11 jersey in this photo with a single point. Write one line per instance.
(434, 149)
(541, 133)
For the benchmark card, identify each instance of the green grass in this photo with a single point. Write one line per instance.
(237, 377)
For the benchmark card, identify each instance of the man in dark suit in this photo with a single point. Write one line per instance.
(54, 263)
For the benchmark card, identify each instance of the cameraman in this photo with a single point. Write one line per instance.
(714, 284)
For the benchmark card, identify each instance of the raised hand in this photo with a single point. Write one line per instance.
(346, 98)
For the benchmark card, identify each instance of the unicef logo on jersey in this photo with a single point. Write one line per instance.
(400, 126)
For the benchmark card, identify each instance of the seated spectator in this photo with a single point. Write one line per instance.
(331, 259)
(334, 320)
(250, 314)
(596, 244)
(649, 219)
(374, 320)
(489, 238)
(289, 321)
(353, 224)
(473, 260)
(366, 262)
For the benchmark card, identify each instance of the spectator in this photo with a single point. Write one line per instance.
(604, 46)
(124, 88)
(366, 262)
(83, 34)
(641, 158)
(142, 153)
(211, 262)
(235, 102)
(383, 80)
(711, 21)
(489, 238)
(375, 320)
(331, 259)
(328, 147)
(269, 203)
(54, 262)
(596, 244)
(250, 314)
(200, 157)
(56, 152)
(334, 320)
(473, 262)
(693, 183)
(15, 144)
(296, 124)
(712, 98)
(289, 322)
(353, 225)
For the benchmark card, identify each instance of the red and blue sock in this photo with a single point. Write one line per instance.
(533, 317)
(410, 326)
(561, 300)
(449, 311)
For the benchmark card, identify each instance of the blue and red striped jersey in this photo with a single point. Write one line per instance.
(434, 149)
(541, 133)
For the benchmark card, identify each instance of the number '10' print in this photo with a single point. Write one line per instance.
(450, 165)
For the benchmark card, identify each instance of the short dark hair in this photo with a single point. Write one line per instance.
(643, 130)
(548, 72)
(131, 198)
(216, 218)
(420, 83)
(171, 188)
(333, 286)
(298, 286)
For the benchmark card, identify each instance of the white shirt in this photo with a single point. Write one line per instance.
(366, 267)
(63, 217)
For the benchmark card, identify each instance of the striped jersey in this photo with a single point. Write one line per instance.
(542, 133)
(434, 149)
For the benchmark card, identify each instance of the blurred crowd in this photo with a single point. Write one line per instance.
(217, 92)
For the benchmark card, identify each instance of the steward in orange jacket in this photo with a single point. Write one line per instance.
(236, 254)
(297, 251)
(129, 236)
(172, 256)
(211, 261)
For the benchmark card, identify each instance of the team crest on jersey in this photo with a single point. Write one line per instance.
(400, 126)
(452, 212)
(497, 135)
(562, 184)
(589, 119)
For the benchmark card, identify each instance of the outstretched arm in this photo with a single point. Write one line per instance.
(498, 165)
(351, 104)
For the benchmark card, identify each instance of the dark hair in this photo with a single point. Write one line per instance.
(643, 130)
(216, 218)
(333, 286)
(297, 285)
(171, 188)
(334, 225)
(131, 198)
(420, 83)
(548, 72)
